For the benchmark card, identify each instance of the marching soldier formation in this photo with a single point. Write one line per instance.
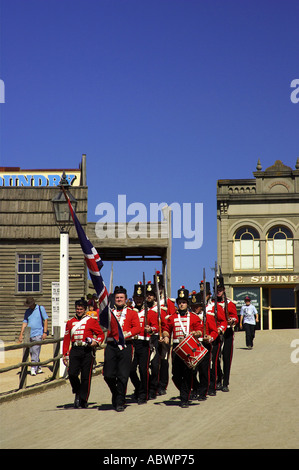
(193, 331)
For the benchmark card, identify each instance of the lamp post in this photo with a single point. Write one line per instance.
(64, 222)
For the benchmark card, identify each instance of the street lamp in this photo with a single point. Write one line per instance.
(63, 219)
(61, 208)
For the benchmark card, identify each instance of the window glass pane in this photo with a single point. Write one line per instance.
(246, 250)
(246, 247)
(21, 267)
(282, 231)
(256, 262)
(280, 236)
(280, 247)
(282, 298)
(289, 246)
(247, 262)
(28, 264)
(265, 296)
(247, 236)
(246, 232)
(280, 262)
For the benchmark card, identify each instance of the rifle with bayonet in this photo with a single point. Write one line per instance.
(204, 303)
(215, 292)
(145, 306)
(224, 297)
(158, 305)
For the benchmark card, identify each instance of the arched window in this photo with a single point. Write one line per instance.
(280, 248)
(247, 249)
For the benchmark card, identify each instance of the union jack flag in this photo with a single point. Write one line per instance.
(94, 263)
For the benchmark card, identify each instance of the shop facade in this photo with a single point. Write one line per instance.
(258, 242)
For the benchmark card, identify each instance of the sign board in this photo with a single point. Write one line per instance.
(55, 306)
(240, 293)
(34, 178)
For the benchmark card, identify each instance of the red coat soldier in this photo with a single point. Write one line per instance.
(230, 310)
(83, 333)
(221, 324)
(201, 385)
(141, 342)
(179, 325)
(117, 360)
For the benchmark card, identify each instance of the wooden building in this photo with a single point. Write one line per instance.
(30, 243)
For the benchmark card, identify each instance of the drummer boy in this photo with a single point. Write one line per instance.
(179, 325)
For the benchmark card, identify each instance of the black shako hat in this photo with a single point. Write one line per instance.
(160, 279)
(220, 282)
(196, 298)
(150, 289)
(120, 290)
(81, 303)
(208, 288)
(139, 290)
(183, 294)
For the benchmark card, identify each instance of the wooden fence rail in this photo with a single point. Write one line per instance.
(26, 345)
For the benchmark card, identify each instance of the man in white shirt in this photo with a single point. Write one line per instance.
(248, 319)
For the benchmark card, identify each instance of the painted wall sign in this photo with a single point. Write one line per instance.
(271, 279)
(29, 179)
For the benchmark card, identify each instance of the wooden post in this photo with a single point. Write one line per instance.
(24, 371)
(56, 352)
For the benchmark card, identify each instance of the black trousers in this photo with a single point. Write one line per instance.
(141, 363)
(164, 352)
(202, 383)
(116, 370)
(249, 334)
(216, 351)
(154, 366)
(182, 377)
(227, 356)
(81, 362)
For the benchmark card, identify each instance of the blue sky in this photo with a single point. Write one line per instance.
(164, 97)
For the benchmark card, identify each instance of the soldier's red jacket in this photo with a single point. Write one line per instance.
(152, 321)
(79, 329)
(211, 328)
(221, 318)
(232, 310)
(170, 305)
(129, 322)
(182, 325)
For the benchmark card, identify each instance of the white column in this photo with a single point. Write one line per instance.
(63, 289)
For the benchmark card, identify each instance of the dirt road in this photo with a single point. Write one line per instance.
(259, 412)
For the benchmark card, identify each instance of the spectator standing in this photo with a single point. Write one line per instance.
(248, 319)
(37, 319)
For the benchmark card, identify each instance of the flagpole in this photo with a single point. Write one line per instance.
(64, 224)
(63, 290)
(111, 280)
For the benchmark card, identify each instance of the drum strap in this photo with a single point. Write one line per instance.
(185, 331)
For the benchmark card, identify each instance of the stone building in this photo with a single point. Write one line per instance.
(258, 241)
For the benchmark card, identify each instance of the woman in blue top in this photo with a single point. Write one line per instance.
(248, 319)
(37, 319)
